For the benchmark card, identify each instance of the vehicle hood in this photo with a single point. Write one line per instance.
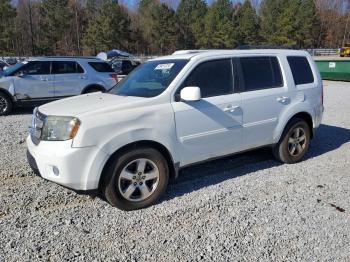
(89, 103)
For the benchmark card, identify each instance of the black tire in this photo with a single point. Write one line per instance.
(283, 150)
(111, 181)
(5, 104)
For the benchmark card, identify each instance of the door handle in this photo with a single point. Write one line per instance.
(231, 109)
(44, 79)
(282, 99)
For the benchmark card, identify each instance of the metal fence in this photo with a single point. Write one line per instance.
(323, 52)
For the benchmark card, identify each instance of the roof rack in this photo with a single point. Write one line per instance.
(247, 47)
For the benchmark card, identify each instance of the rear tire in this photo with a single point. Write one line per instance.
(136, 179)
(5, 104)
(294, 142)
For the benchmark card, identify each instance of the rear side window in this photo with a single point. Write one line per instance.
(66, 67)
(301, 70)
(261, 72)
(101, 67)
(214, 78)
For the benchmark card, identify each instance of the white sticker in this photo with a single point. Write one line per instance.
(164, 66)
(332, 65)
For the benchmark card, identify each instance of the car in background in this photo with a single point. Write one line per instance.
(12, 60)
(345, 51)
(41, 80)
(3, 66)
(124, 66)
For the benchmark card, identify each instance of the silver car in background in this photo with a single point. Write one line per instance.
(41, 80)
(3, 66)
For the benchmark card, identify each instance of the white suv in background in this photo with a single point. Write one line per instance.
(40, 80)
(175, 111)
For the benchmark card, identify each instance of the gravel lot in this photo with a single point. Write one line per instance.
(245, 207)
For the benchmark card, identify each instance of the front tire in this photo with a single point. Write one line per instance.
(5, 104)
(136, 179)
(294, 142)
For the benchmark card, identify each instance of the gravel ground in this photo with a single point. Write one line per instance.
(245, 207)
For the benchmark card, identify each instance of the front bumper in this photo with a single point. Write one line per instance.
(32, 163)
(75, 168)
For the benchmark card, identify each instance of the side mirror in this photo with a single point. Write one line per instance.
(190, 93)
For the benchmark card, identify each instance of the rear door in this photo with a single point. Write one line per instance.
(264, 97)
(69, 78)
(34, 81)
(212, 126)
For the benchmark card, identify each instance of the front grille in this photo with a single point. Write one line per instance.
(37, 125)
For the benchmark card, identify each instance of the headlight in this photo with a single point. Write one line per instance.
(60, 128)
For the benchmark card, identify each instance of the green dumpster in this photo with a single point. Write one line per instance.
(334, 69)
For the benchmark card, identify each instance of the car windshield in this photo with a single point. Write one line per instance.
(149, 79)
(13, 68)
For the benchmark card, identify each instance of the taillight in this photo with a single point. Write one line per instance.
(114, 76)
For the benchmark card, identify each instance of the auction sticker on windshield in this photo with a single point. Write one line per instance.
(164, 66)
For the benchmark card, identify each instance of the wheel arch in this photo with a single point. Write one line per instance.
(8, 94)
(173, 167)
(97, 86)
(302, 115)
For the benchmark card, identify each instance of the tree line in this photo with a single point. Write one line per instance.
(86, 27)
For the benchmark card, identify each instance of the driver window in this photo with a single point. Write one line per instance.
(214, 78)
(36, 68)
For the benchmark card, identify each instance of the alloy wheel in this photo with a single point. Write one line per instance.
(138, 179)
(3, 105)
(297, 142)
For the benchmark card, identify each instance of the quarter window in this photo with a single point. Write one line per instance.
(261, 73)
(101, 67)
(301, 70)
(67, 67)
(214, 78)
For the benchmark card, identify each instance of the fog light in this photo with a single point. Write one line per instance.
(55, 171)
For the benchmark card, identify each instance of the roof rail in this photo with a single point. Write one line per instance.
(248, 47)
(196, 51)
(76, 57)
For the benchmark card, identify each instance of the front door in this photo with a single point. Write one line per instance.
(34, 82)
(212, 126)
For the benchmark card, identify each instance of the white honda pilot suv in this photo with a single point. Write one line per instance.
(175, 111)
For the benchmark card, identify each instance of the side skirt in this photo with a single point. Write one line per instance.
(36, 101)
